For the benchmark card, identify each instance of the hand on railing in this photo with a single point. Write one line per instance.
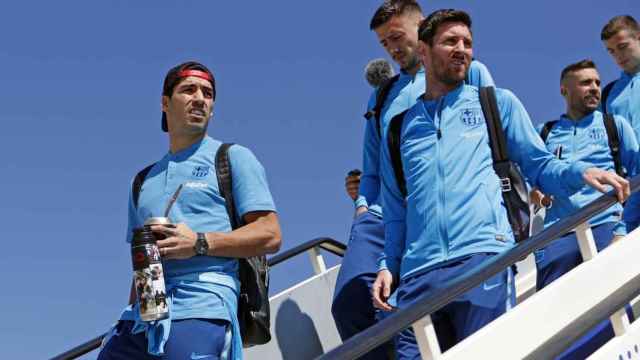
(598, 178)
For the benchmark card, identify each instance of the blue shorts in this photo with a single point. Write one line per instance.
(206, 339)
(461, 317)
(352, 307)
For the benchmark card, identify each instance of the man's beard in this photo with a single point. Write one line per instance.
(411, 63)
(449, 77)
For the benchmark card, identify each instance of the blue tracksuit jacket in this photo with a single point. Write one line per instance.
(624, 100)
(454, 205)
(402, 96)
(586, 140)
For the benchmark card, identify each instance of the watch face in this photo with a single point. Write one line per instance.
(201, 245)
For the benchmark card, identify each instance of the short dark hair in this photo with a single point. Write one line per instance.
(619, 23)
(354, 172)
(173, 78)
(429, 26)
(582, 64)
(391, 8)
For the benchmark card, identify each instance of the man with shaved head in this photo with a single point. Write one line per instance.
(583, 133)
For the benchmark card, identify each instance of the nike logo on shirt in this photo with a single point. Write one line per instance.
(488, 287)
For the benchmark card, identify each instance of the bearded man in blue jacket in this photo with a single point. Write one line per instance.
(452, 218)
(580, 135)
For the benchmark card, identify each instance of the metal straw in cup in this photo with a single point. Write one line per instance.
(164, 220)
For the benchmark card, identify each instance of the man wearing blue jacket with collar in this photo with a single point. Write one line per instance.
(581, 135)
(200, 251)
(621, 38)
(452, 218)
(396, 25)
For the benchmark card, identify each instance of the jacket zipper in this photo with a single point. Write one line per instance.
(573, 142)
(440, 186)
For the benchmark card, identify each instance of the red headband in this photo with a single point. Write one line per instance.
(196, 73)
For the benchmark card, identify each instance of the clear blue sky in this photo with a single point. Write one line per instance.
(80, 114)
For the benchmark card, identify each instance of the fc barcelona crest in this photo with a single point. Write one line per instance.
(200, 171)
(597, 134)
(471, 117)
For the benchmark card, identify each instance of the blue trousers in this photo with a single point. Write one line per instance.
(563, 254)
(352, 307)
(557, 259)
(206, 339)
(462, 317)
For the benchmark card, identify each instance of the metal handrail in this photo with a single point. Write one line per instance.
(427, 304)
(617, 300)
(333, 246)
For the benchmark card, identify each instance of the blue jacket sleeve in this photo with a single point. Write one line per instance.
(479, 75)
(525, 147)
(629, 156)
(394, 216)
(370, 178)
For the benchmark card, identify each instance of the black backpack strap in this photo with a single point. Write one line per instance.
(546, 129)
(381, 98)
(614, 143)
(605, 94)
(393, 142)
(253, 272)
(501, 163)
(137, 184)
(497, 141)
(225, 185)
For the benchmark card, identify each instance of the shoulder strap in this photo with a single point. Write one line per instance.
(381, 97)
(546, 129)
(393, 142)
(605, 94)
(137, 184)
(223, 174)
(614, 143)
(511, 184)
(497, 141)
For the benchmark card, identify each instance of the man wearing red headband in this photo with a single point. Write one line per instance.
(200, 251)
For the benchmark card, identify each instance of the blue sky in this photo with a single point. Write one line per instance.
(80, 115)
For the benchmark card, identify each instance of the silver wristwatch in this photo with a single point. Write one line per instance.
(202, 246)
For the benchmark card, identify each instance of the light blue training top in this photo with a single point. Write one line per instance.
(624, 100)
(586, 140)
(201, 286)
(454, 205)
(403, 95)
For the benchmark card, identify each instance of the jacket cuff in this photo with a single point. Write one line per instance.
(361, 201)
(385, 263)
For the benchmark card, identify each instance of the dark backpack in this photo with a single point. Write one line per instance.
(605, 94)
(612, 136)
(253, 302)
(381, 97)
(514, 189)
